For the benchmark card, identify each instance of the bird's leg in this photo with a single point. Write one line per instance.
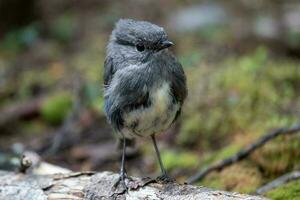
(164, 177)
(123, 175)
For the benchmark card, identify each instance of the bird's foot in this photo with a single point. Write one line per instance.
(121, 185)
(165, 178)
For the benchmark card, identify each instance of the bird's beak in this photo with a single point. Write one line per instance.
(165, 44)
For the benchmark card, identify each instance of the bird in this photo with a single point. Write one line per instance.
(144, 85)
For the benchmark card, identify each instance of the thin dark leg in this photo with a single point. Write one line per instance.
(122, 169)
(164, 177)
(163, 171)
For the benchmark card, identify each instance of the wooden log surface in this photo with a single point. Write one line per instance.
(94, 186)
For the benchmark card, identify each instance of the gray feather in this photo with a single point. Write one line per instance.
(130, 75)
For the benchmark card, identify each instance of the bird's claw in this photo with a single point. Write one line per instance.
(122, 183)
(165, 178)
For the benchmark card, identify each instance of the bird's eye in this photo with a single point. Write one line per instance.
(140, 47)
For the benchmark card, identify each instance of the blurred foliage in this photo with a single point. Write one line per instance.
(220, 155)
(246, 94)
(89, 63)
(34, 82)
(179, 160)
(289, 191)
(242, 178)
(279, 156)
(56, 108)
(232, 103)
(293, 39)
(63, 28)
(16, 40)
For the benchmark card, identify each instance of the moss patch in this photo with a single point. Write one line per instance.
(278, 156)
(241, 178)
(290, 191)
(174, 159)
(240, 94)
(55, 109)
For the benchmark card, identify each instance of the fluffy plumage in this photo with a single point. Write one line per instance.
(144, 90)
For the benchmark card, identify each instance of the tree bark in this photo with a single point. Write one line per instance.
(94, 186)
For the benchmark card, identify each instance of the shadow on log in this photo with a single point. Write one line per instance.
(94, 186)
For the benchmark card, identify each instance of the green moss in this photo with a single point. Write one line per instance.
(244, 94)
(278, 156)
(32, 80)
(232, 103)
(290, 191)
(213, 181)
(210, 158)
(189, 131)
(227, 151)
(173, 159)
(56, 108)
(240, 178)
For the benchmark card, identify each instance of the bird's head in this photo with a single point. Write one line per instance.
(139, 39)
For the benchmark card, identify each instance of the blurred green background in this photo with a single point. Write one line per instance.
(241, 58)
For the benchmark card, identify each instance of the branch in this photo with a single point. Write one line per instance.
(20, 110)
(278, 182)
(244, 153)
(93, 186)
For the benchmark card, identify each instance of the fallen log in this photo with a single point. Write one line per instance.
(94, 186)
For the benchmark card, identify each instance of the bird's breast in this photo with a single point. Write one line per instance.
(155, 118)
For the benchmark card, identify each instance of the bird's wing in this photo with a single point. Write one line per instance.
(178, 84)
(125, 93)
(178, 81)
(108, 71)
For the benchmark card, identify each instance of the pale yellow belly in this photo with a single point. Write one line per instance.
(153, 119)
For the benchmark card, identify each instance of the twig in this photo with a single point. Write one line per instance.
(278, 182)
(25, 163)
(242, 154)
